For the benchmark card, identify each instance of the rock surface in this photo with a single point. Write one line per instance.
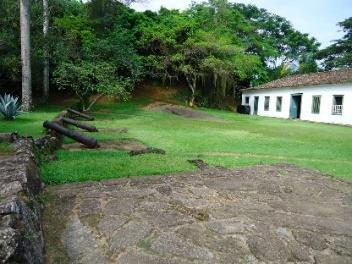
(21, 239)
(263, 214)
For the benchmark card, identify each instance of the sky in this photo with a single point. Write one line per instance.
(316, 17)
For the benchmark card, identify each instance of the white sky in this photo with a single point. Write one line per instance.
(316, 17)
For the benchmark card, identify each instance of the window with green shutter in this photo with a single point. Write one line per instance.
(316, 104)
(278, 103)
(267, 103)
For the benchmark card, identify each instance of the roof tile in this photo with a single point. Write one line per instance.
(331, 77)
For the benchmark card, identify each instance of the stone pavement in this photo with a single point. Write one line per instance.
(263, 214)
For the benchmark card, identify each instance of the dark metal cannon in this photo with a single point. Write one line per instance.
(80, 114)
(89, 142)
(79, 124)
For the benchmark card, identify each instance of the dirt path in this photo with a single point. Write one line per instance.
(181, 111)
(121, 144)
(262, 214)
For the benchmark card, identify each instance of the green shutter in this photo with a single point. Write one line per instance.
(267, 103)
(278, 103)
(316, 105)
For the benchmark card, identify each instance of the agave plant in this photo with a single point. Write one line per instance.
(9, 106)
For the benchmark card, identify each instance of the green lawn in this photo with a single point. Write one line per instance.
(238, 140)
(30, 124)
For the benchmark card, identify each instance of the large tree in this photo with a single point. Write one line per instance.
(46, 51)
(26, 55)
(281, 48)
(199, 48)
(96, 53)
(339, 54)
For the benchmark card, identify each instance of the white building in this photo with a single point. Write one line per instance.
(319, 97)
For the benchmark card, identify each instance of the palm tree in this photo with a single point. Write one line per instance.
(45, 51)
(26, 55)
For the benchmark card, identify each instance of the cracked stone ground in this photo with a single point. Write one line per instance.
(262, 214)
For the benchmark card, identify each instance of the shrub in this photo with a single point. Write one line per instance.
(9, 107)
(87, 79)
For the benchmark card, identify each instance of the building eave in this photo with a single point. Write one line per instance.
(295, 87)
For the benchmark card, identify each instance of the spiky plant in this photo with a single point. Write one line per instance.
(9, 107)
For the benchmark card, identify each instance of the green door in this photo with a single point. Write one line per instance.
(256, 102)
(295, 108)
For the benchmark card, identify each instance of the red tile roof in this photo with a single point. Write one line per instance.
(331, 77)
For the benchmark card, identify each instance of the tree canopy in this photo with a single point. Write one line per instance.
(214, 48)
(218, 47)
(339, 54)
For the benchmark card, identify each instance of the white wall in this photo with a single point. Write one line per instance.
(325, 91)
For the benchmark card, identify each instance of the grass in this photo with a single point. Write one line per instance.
(237, 141)
(30, 124)
(5, 148)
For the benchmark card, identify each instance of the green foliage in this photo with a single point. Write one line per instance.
(9, 107)
(339, 54)
(215, 47)
(86, 79)
(78, 36)
(188, 47)
(116, 48)
(307, 64)
(96, 54)
(10, 62)
(277, 43)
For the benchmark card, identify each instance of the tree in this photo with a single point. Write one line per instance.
(199, 48)
(280, 47)
(10, 42)
(339, 54)
(10, 60)
(45, 51)
(26, 55)
(215, 48)
(96, 55)
(307, 63)
(86, 79)
(215, 64)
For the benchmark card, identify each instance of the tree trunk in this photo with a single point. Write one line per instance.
(45, 51)
(95, 100)
(26, 55)
(192, 85)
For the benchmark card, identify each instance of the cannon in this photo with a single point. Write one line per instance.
(80, 114)
(87, 141)
(79, 124)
